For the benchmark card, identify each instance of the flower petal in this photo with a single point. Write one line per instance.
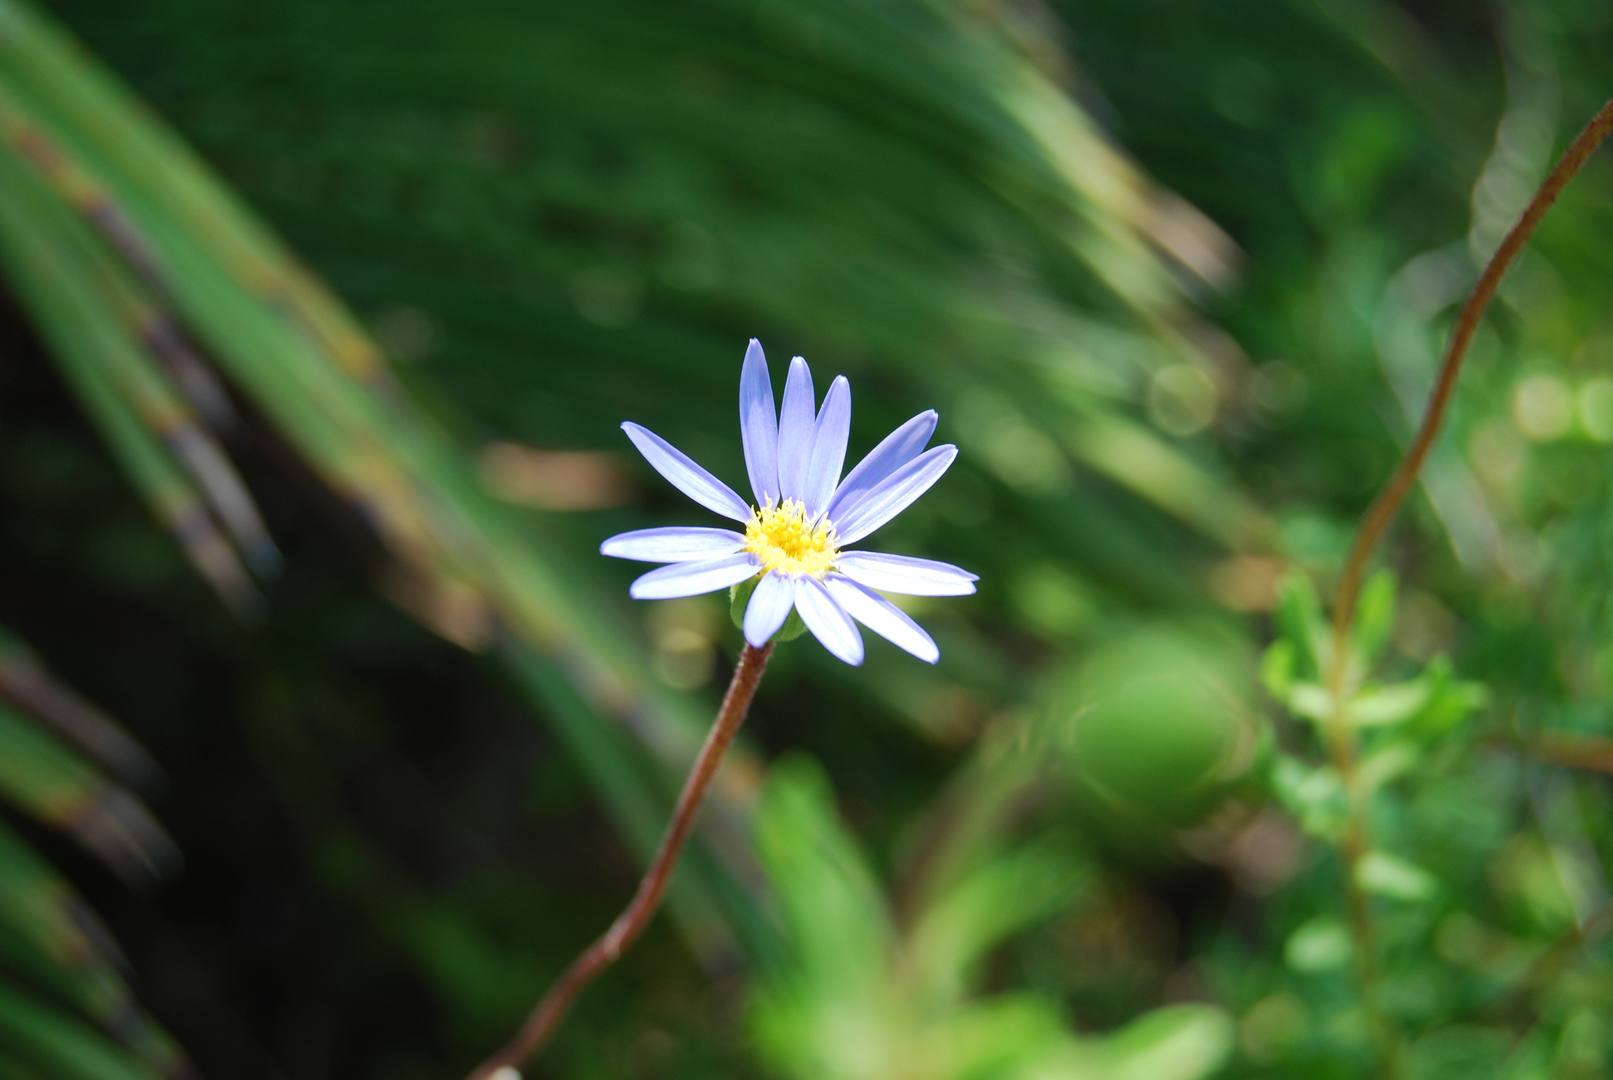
(882, 617)
(758, 425)
(828, 447)
(685, 475)
(769, 606)
(893, 494)
(694, 578)
(828, 623)
(894, 451)
(795, 430)
(672, 544)
(905, 574)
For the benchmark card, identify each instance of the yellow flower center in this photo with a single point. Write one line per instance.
(783, 538)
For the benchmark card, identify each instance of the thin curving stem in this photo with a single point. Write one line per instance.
(552, 1008)
(1355, 842)
(1385, 506)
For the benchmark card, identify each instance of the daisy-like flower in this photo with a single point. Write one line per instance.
(804, 517)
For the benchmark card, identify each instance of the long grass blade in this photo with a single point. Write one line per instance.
(27, 685)
(52, 942)
(284, 343)
(51, 783)
(88, 342)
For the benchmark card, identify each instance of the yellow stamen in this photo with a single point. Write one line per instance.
(783, 538)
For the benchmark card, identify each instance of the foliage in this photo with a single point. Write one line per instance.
(1103, 837)
(65, 1008)
(862, 999)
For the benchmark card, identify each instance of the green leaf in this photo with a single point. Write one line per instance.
(50, 938)
(29, 686)
(1179, 1042)
(739, 595)
(60, 1046)
(41, 776)
(54, 784)
(1315, 796)
(1277, 668)
(1385, 764)
(1374, 618)
(1311, 701)
(1450, 701)
(995, 898)
(1321, 945)
(1390, 704)
(1393, 877)
(1299, 616)
(829, 897)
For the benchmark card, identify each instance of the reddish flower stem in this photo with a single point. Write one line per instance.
(552, 1008)
(1341, 737)
(1385, 506)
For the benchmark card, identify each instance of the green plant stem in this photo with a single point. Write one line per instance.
(552, 1008)
(1341, 734)
(1353, 845)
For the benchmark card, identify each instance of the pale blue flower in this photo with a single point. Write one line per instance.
(803, 518)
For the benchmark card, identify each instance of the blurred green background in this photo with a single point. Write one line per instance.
(320, 323)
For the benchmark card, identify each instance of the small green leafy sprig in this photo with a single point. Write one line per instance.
(1384, 727)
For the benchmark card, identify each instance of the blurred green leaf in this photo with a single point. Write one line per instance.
(1277, 668)
(1299, 615)
(1320, 945)
(1374, 617)
(1182, 1042)
(1315, 796)
(59, 969)
(858, 999)
(1387, 875)
(994, 899)
(1389, 704)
